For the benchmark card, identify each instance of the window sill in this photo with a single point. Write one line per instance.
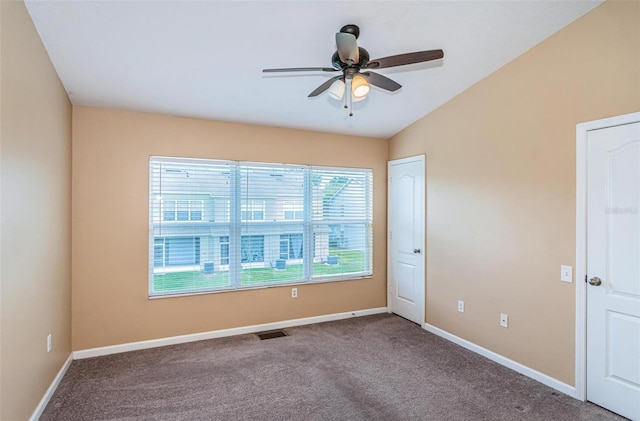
(250, 288)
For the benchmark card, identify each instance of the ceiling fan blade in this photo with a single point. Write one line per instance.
(301, 69)
(320, 89)
(347, 48)
(403, 59)
(381, 81)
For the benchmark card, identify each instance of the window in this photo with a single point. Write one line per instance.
(293, 210)
(252, 210)
(291, 246)
(260, 225)
(224, 250)
(176, 251)
(252, 248)
(182, 210)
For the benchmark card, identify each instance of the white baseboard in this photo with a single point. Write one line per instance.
(515, 366)
(174, 340)
(52, 388)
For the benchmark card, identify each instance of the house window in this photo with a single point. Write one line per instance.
(176, 251)
(158, 252)
(224, 250)
(252, 210)
(317, 219)
(293, 210)
(291, 246)
(169, 210)
(252, 248)
(182, 210)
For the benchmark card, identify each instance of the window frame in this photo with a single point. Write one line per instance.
(237, 204)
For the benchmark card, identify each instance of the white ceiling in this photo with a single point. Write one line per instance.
(204, 58)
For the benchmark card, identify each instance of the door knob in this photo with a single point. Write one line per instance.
(595, 281)
(416, 250)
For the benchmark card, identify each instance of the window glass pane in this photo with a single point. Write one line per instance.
(284, 247)
(224, 250)
(247, 224)
(169, 213)
(295, 246)
(224, 254)
(252, 248)
(264, 190)
(342, 218)
(158, 255)
(186, 257)
(293, 210)
(182, 210)
(195, 210)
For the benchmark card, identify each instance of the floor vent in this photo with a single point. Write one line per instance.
(271, 334)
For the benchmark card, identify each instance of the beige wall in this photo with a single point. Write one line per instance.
(36, 217)
(111, 152)
(501, 187)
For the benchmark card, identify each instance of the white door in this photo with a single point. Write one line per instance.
(613, 268)
(406, 238)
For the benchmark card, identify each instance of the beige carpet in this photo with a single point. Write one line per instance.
(378, 367)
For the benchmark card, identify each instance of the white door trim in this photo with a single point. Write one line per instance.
(582, 131)
(418, 158)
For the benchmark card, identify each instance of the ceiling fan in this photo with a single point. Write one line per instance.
(354, 64)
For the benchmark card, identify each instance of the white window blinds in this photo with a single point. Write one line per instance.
(220, 225)
(342, 221)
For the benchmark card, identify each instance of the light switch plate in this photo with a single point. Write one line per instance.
(566, 273)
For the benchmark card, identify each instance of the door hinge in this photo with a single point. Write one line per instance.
(585, 279)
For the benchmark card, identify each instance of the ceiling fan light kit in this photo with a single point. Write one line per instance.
(351, 60)
(359, 86)
(336, 90)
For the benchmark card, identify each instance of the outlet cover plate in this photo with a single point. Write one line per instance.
(504, 320)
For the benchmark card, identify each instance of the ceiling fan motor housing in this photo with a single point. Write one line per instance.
(351, 29)
(363, 56)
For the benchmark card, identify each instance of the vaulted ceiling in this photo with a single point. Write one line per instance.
(204, 58)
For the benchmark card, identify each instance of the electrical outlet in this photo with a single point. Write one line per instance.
(49, 343)
(504, 320)
(294, 292)
(461, 306)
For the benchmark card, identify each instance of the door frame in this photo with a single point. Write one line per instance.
(582, 133)
(421, 158)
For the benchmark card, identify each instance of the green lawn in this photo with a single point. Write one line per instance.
(349, 261)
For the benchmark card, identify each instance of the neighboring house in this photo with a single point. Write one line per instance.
(191, 217)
